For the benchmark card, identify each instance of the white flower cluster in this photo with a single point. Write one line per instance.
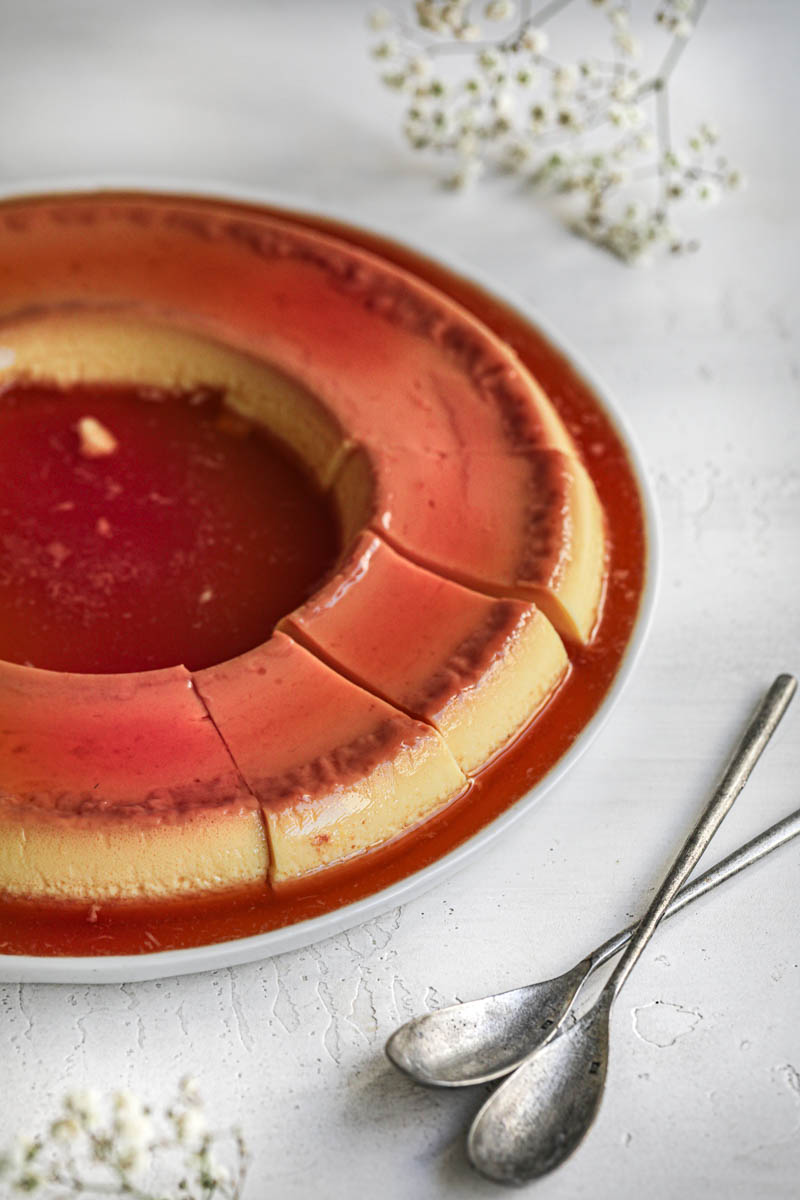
(594, 132)
(114, 1146)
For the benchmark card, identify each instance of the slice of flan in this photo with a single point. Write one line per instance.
(335, 769)
(525, 525)
(118, 787)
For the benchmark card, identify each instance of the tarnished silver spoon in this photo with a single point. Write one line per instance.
(537, 1118)
(478, 1041)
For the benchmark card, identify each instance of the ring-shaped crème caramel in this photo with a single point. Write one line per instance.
(472, 542)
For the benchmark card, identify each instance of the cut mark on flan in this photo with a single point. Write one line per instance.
(243, 782)
(335, 769)
(474, 668)
(118, 787)
(525, 526)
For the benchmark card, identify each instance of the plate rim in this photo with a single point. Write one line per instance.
(134, 968)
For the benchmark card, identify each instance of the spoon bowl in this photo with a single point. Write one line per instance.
(538, 1117)
(482, 1040)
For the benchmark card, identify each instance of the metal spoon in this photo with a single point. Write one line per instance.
(478, 1041)
(538, 1117)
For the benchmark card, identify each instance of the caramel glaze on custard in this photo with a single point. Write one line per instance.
(46, 927)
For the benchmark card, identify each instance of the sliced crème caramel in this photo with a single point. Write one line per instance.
(118, 787)
(433, 645)
(336, 769)
(122, 347)
(526, 525)
(476, 667)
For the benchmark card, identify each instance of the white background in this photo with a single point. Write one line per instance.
(703, 1097)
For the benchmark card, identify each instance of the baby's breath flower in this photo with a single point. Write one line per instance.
(215, 1171)
(534, 40)
(132, 1158)
(113, 1145)
(429, 17)
(126, 1103)
(448, 18)
(469, 170)
(565, 79)
(567, 117)
(623, 90)
(708, 192)
(467, 143)
(65, 1130)
(499, 10)
(134, 1127)
(190, 1126)
(84, 1105)
(419, 65)
(388, 48)
(516, 154)
(627, 44)
(587, 130)
(395, 79)
(540, 115)
(503, 104)
(29, 1181)
(24, 1150)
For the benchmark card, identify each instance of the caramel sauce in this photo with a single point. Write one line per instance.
(184, 544)
(50, 928)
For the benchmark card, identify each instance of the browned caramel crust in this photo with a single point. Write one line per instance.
(545, 507)
(470, 659)
(339, 768)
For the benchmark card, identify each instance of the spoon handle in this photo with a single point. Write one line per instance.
(752, 744)
(751, 852)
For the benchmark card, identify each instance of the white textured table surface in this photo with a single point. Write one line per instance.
(703, 1097)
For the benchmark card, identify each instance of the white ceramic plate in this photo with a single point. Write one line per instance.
(128, 968)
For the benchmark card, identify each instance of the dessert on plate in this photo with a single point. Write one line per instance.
(469, 564)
